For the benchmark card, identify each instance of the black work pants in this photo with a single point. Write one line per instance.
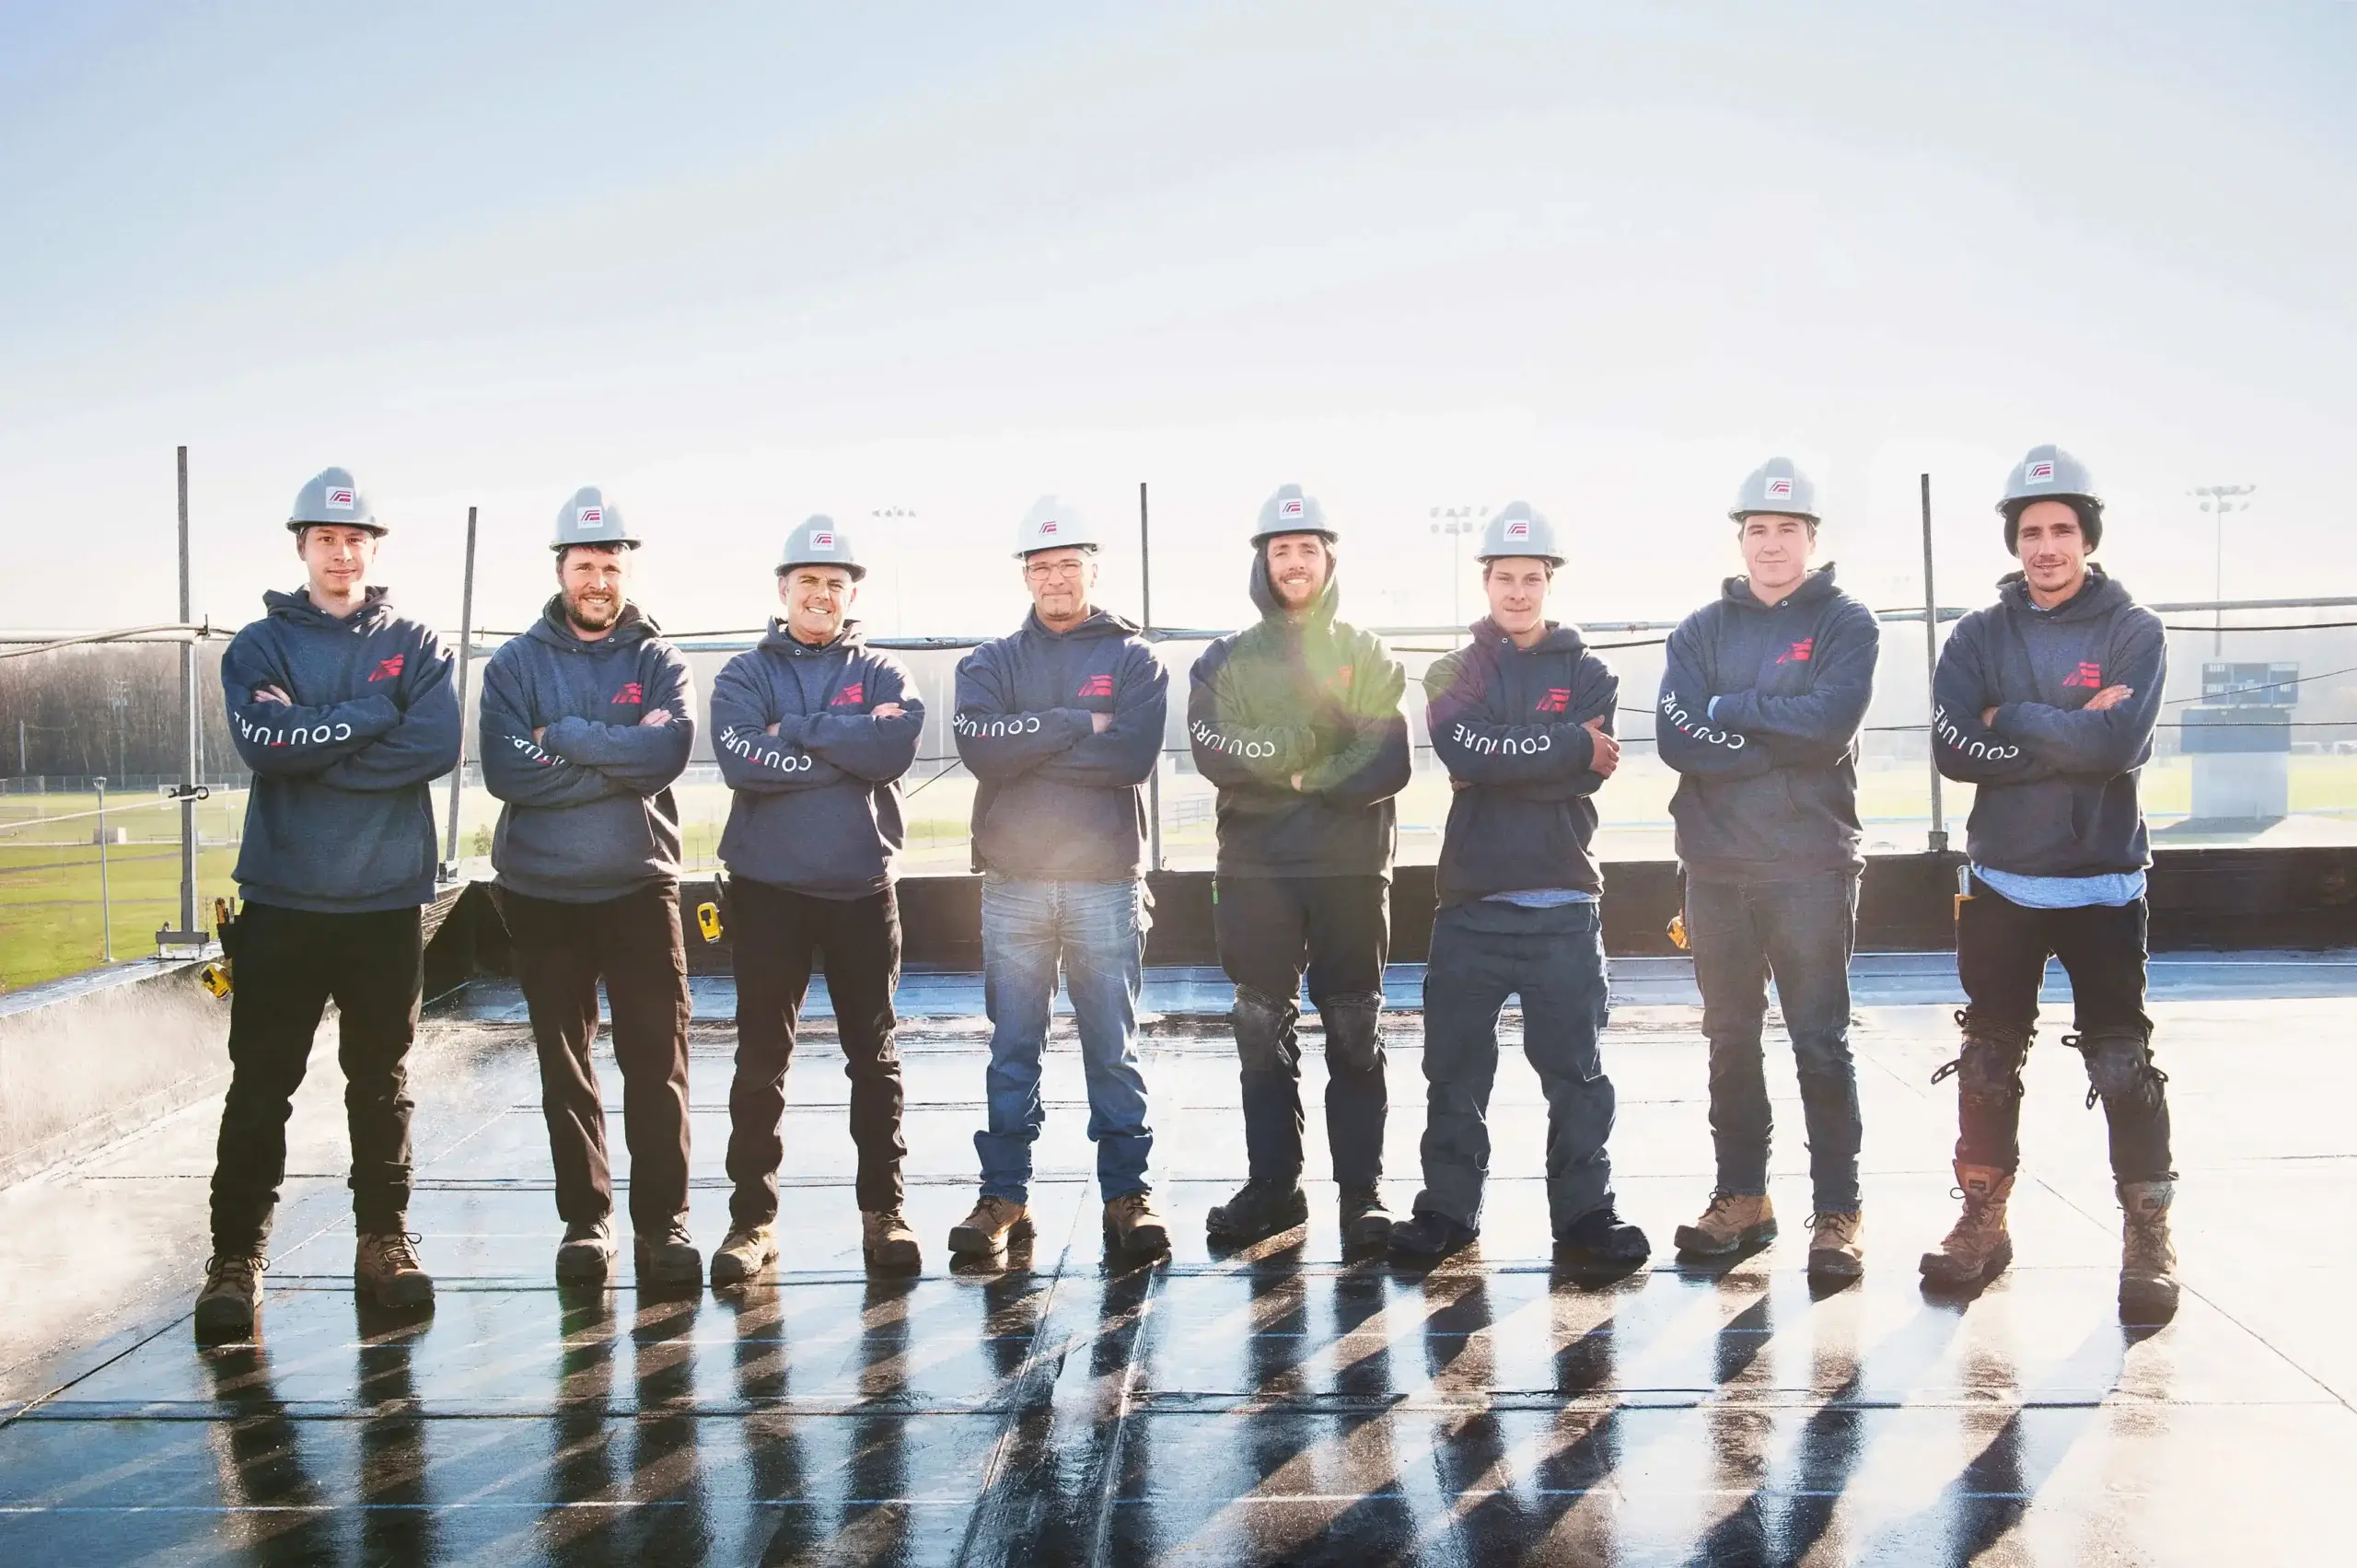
(632, 943)
(776, 931)
(287, 966)
(2001, 953)
(1272, 930)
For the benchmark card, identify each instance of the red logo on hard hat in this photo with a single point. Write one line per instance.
(631, 692)
(340, 499)
(1048, 526)
(1097, 686)
(1777, 487)
(1517, 529)
(388, 669)
(1289, 508)
(2089, 676)
(1798, 653)
(591, 516)
(822, 541)
(2039, 472)
(1556, 700)
(850, 696)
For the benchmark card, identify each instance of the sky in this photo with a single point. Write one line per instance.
(739, 264)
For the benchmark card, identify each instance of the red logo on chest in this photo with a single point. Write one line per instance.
(631, 692)
(1798, 653)
(388, 669)
(850, 696)
(1556, 700)
(1097, 686)
(2087, 675)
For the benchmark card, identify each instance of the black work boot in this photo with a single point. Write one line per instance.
(231, 1300)
(1259, 1210)
(1601, 1235)
(1367, 1224)
(668, 1256)
(1427, 1237)
(586, 1256)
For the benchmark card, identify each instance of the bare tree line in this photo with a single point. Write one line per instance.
(111, 710)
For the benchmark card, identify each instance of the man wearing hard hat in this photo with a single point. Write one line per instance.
(1523, 720)
(2046, 701)
(586, 720)
(345, 713)
(813, 729)
(1061, 724)
(1762, 695)
(1296, 720)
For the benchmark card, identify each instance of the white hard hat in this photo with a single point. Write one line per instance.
(1052, 524)
(1289, 511)
(1779, 487)
(818, 542)
(587, 519)
(332, 497)
(1517, 529)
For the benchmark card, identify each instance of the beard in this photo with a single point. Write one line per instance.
(591, 617)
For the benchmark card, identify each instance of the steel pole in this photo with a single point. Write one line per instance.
(188, 715)
(1145, 613)
(466, 655)
(106, 898)
(1939, 841)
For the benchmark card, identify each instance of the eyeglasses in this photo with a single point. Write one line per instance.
(1054, 568)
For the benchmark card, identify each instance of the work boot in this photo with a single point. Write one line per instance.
(1135, 1225)
(887, 1243)
(1977, 1249)
(231, 1299)
(1259, 1210)
(1601, 1235)
(1427, 1237)
(1836, 1248)
(668, 1256)
(745, 1251)
(1367, 1224)
(2147, 1257)
(586, 1256)
(994, 1223)
(1733, 1222)
(385, 1269)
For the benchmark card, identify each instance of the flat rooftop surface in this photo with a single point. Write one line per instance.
(1285, 1406)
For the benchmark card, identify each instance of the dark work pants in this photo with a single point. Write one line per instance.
(1483, 952)
(1802, 932)
(777, 930)
(1270, 931)
(288, 964)
(2001, 953)
(631, 943)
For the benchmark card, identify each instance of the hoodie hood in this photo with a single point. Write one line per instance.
(632, 627)
(1100, 624)
(2099, 594)
(1560, 638)
(376, 611)
(1816, 587)
(852, 638)
(1264, 594)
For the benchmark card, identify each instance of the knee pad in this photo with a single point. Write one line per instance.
(1263, 1027)
(1354, 1038)
(1987, 1070)
(2119, 1068)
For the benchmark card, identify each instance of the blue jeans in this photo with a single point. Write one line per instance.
(1802, 932)
(1482, 954)
(1096, 930)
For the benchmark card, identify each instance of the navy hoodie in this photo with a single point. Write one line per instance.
(340, 819)
(817, 806)
(1058, 799)
(1510, 724)
(1769, 778)
(1309, 695)
(2057, 785)
(589, 814)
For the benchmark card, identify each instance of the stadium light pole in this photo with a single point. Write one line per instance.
(1455, 523)
(896, 515)
(2218, 500)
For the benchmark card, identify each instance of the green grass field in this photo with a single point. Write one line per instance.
(49, 869)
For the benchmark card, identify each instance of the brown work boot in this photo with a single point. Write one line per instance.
(988, 1229)
(385, 1269)
(1836, 1246)
(745, 1251)
(888, 1242)
(1733, 1222)
(1135, 1227)
(1977, 1249)
(2147, 1257)
(231, 1299)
